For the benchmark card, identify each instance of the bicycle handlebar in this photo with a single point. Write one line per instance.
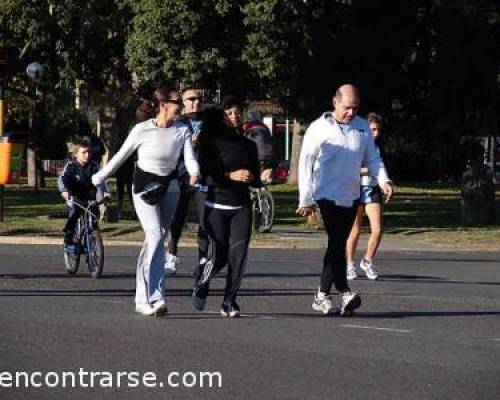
(104, 200)
(92, 203)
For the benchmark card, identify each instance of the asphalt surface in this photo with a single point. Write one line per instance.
(429, 328)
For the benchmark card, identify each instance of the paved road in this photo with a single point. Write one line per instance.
(428, 329)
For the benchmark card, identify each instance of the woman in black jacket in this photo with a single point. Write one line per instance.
(230, 165)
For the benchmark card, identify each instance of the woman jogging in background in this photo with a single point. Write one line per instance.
(370, 203)
(230, 165)
(159, 142)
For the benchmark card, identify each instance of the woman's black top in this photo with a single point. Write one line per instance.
(223, 151)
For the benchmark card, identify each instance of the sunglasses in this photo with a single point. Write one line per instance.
(175, 101)
(193, 98)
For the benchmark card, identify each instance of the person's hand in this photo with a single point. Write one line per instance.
(195, 138)
(194, 179)
(388, 190)
(267, 175)
(106, 195)
(96, 180)
(305, 211)
(241, 175)
(67, 198)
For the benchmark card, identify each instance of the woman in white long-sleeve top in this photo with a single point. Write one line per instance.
(159, 142)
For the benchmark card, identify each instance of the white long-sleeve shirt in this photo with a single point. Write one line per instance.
(158, 150)
(331, 158)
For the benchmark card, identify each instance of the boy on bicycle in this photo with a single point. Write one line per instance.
(75, 183)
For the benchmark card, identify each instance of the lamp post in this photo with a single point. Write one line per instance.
(34, 72)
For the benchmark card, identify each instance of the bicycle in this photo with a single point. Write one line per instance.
(263, 209)
(87, 240)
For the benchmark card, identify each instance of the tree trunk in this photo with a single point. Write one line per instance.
(36, 177)
(31, 167)
(297, 139)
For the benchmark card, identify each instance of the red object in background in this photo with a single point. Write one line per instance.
(281, 173)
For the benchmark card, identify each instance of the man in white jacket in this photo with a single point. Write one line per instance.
(335, 147)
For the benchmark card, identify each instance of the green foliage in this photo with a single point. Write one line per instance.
(430, 67)
(179, 41)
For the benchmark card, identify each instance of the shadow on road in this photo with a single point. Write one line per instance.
(131, 292)
(429, 279)
(413, 314)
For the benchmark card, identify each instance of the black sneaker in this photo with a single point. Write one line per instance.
(199, 296)
(230, 311)
(71, 248)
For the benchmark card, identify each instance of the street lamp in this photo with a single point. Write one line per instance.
(35, 73)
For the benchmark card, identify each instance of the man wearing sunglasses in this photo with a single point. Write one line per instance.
(192, 116)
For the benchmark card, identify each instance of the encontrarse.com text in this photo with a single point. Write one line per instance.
(102, 379)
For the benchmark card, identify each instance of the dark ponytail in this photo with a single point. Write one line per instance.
(149, 108)
(144, 111)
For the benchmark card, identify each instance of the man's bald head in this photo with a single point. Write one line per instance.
(345, 103)
(347, 90)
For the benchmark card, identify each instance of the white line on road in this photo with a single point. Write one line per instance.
(375, 328)
(495, 339)
(114, 301)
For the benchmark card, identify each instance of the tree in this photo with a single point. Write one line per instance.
(430, 67)
(80, 44)
(416, 62)
(182, 41)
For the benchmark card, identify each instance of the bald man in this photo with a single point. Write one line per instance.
(335, 147)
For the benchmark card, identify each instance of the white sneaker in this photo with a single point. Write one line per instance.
(369, 268)
(232, 311)
(171, 264)
(324, 305)
(157, 309)
(349, 301)
(160, 307)
(351, 271)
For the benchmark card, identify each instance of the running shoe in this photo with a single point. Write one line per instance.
(71, 248)
(230, 311)
(171, 264)
(323, 305)
(351, 271)
(160, 307)
(349, 301)
(369, 268)
(157, 309)
(199, 296)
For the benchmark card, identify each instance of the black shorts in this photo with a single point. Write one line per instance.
(370, 194)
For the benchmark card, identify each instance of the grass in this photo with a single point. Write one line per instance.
(422, 212)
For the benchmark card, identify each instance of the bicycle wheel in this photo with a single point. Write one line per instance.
(264, 217)
(72, 257)
(95, 252)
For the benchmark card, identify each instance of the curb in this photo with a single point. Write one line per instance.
(271, 243)
(298, 241)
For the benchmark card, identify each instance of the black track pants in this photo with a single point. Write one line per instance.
(338, 223)
(229, 232)
(186, 192)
